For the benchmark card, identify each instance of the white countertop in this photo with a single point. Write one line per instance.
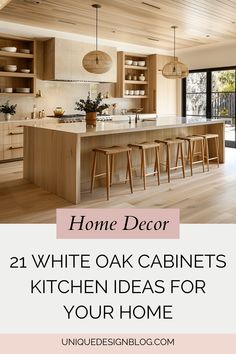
(118, 127)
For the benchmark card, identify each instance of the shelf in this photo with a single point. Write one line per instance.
(16, 55)
(16, 94)
(136, 67)
(132, 96)
(136, 82)
(16, 74)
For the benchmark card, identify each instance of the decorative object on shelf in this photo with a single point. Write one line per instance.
(141, 63)
(96, 61)
(128, 62)
(25, 71)
(10, 68)
(135, 77)
(141, 77)
(9, 49)
(8, 110)
(91, 107)
(175, 69)
(7, 90)
(23, 90)
(25, 51)
(58, 112)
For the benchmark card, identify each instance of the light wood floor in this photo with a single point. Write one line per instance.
(208, 197)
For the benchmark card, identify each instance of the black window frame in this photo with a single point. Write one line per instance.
(209, 94)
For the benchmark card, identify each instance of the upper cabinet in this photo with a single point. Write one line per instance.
(17, 66)
(63, 61)
(140, 76)
(163, 92)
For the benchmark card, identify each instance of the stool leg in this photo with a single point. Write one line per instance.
(202, 151)
(207, 153)
(177, 156)
(157, 164)
(144, 168)
(168, 162)
(112, 168)
(108, 176)
(217, 150)
(93, 170)
(182, 159)
(141, 168)
(130, 171)
(190, 154)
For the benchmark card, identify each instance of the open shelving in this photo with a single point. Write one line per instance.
(17, 79)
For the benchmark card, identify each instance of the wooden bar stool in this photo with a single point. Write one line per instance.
(192, 140)
(208, 158)
(143, 147)
(174, 143)
(109, 153)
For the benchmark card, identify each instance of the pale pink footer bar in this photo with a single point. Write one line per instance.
(117, 223)
(183, 344)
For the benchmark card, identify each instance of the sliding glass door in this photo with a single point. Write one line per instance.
(211, 93)
(223, 101)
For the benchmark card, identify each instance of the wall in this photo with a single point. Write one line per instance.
(210, 57)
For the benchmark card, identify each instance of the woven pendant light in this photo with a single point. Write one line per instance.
(97, 62)
(175, 69)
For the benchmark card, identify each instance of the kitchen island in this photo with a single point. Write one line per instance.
(58, 157)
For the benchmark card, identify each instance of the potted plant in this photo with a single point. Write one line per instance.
(91, 107)
(8, 110)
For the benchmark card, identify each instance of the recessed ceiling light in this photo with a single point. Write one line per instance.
(153, 39)
(68, 22)
(154, 6)
(36, 2)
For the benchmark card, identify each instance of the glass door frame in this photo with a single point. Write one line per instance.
(209, 71)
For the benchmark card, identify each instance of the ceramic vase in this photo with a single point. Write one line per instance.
(7, 116)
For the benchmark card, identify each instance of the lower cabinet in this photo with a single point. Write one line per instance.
(11, 141)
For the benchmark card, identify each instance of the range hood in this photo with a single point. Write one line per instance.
(63, 62)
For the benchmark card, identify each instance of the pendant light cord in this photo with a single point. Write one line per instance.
(174, 43)
(96, 28)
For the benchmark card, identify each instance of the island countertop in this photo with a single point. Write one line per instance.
(116, 127)
(58, 156)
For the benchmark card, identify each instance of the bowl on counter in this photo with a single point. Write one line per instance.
(25, 71)
(22, 90)
(58, 112)
(9, 49)
(10, 68)
(128, 62)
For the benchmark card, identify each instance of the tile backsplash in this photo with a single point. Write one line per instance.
(65, 94)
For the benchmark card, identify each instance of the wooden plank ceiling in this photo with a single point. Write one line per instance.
(133, 21)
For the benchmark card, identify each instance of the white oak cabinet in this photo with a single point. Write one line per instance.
(63, 61)
(163, 92)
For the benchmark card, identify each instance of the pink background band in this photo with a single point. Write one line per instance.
(184, 344)
(136, 221)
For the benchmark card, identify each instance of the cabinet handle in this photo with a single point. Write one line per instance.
(15, 147)
(17, 133)
(19, 126)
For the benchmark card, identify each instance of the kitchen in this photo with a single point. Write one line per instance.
(59, 56)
